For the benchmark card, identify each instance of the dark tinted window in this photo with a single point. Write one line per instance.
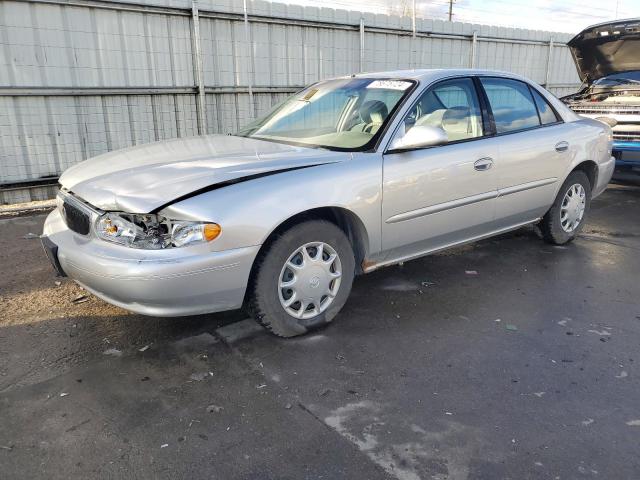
(512, 104)
(547, 115)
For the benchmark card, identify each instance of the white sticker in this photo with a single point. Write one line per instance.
(390, 84)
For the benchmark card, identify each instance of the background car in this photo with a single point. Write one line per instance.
(607, 57)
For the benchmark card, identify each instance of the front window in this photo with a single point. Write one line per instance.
(452, 106)
(344, 114)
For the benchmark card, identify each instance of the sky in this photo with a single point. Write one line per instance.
(569, 16)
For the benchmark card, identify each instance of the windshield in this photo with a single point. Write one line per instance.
(625, 78)
(344, 114)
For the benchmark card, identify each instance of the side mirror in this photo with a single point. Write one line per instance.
(419, 136)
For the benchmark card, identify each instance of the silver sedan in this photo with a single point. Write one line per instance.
(345, 177)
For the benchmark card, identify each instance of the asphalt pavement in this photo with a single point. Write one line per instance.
(505, 359)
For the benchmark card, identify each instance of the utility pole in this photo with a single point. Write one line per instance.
(413, 18)
(450, 9)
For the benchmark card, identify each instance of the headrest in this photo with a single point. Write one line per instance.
(373, 111)
(455, 115)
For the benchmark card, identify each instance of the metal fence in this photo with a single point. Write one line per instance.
(83, 77)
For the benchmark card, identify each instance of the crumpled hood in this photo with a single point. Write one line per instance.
(143, 178)
(606, 48)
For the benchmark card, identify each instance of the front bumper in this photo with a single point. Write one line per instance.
(172, 282)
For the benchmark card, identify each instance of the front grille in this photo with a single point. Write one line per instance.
(606, 109)
(76, 219)
(626, 136)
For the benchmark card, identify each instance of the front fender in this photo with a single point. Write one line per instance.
(250, 211)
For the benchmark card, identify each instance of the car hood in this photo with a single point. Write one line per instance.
(143, 178)
(606, 48)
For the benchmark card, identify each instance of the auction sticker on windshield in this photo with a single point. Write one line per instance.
(390, 84)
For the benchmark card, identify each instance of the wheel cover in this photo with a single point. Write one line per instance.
(310, 280)
(573, 207)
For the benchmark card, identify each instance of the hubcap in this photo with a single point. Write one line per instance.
(573, 206)
(309, 280)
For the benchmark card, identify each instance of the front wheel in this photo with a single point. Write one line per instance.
(567, 215)
(302, 279)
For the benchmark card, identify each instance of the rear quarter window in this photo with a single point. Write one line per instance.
(547, 115)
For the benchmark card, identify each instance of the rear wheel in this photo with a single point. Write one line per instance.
(567, 215)
(303, 279)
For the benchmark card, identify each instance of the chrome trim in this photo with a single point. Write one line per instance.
(526, 186)
(460, 202)
(66, 195)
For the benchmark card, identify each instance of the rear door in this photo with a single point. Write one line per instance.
(534, 150)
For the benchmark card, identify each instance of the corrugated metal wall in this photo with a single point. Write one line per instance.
(81, 78)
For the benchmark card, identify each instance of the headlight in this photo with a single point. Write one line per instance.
(152, 231)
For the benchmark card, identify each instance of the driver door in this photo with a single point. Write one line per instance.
(441, 195)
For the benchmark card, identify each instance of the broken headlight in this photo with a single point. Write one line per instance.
(153, 232)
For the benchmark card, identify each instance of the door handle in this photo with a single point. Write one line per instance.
(483, 164)
(562, 146)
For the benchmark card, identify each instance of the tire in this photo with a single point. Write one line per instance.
(266, 295)
(557, 229)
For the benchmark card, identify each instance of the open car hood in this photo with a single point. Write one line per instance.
(606, 48)
(144, 178)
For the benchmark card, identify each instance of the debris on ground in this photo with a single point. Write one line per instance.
(325, 392)
(199, 376)
(214, 408)
(602, 333)
(114, 352)
(634, 423)
(622, 374)
(57, 283)
(164, 445)
(6, 447)
(30, 236)
(587, 422)
(261, 386)
(428, 284)
(288, 406)
(144, 349)
(471, 272)
(511, 327)
(563, 322)
(539, 394)
(64, 394)
(80, 299)
(497, 320)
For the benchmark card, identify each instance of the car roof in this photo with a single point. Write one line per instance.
(431, 74)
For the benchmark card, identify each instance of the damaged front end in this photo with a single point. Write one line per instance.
(607, 57)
